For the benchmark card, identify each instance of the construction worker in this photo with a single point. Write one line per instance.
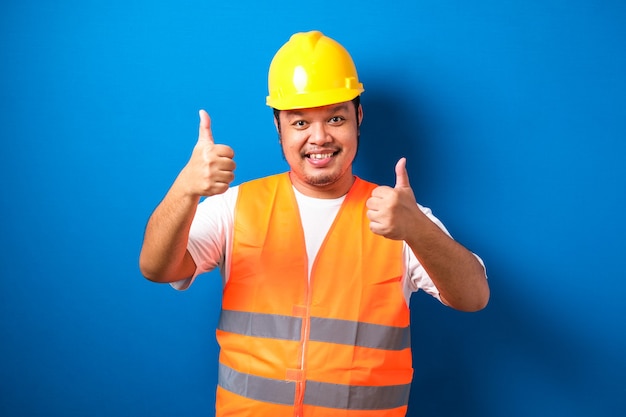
(318, 264)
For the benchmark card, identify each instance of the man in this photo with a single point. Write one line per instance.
(318, 264)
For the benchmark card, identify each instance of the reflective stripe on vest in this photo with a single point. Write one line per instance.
(322, 330)
(320, 394)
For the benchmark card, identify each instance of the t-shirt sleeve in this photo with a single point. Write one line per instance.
(209, 234)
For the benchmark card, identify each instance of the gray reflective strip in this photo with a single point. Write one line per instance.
(321, 394)
(360, 334)
(356, 397)
(261, 325)
(343, 332)
(256, 387)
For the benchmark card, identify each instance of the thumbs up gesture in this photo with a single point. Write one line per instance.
(210, 169)
(391, 210)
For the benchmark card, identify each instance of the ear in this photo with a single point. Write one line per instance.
(360, 115)
(277, 126)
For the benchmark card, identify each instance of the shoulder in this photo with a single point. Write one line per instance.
(219, 202)
(228, 200)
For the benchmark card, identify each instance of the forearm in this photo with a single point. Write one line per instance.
(164, 256)
(456, 272)
(209, 171)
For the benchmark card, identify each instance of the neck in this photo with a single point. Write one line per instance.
(334, 190)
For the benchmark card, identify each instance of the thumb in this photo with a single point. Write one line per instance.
(204, 131)
(402, 177)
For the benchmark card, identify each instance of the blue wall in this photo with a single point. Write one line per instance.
(512, 116)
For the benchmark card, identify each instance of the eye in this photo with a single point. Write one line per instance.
(335, 120)
(299, 124)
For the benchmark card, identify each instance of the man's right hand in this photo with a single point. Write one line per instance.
(211, 167)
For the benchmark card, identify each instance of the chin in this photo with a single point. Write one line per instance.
(320, 180)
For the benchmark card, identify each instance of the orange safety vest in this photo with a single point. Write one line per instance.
(337, 344)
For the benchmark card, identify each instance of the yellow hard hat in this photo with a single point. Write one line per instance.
(311, 70)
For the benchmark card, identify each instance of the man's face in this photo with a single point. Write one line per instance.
(319, 145)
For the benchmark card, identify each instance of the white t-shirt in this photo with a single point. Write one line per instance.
(210, 238)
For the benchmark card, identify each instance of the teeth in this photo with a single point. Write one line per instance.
(320, 155)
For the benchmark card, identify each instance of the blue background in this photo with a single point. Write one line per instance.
(512, 115)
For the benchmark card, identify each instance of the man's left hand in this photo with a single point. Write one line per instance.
(392, 210)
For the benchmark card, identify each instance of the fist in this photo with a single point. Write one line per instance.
(210, 169)
(392, 210)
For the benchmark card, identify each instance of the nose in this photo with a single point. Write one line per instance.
(319, 134)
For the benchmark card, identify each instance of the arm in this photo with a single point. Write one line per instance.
(459, 276)
(164, 256)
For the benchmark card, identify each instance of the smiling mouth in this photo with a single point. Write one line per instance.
(321, 156)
